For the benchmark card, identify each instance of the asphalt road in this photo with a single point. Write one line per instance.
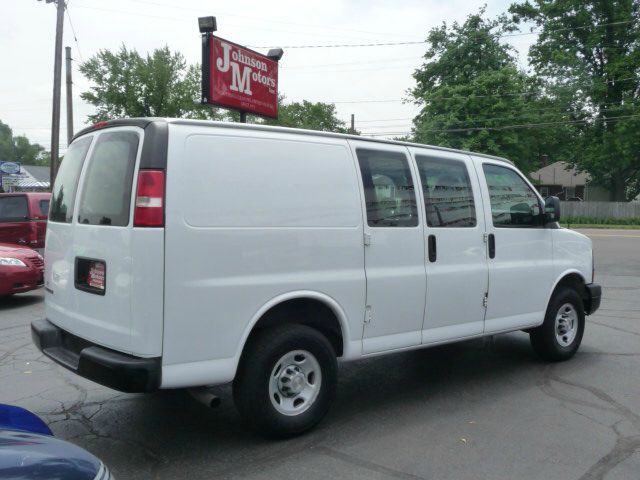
(477, 410)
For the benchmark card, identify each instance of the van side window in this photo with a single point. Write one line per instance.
(388, 189)
(448, 197)
(513, 202)
(64, 189)
(106, 191)
(13, 208)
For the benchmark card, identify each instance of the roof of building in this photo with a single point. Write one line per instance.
(40, 174)
(560, 173)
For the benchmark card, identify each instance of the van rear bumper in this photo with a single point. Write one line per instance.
(107, 367)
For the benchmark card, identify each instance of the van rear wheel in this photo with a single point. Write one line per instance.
(286, 380)
(559, 337)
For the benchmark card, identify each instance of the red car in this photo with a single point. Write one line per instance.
(21, 269)
(23, 218)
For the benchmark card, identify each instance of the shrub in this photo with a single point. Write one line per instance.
(600, 221)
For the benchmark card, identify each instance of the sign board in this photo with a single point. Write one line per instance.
(9, 181)
(9, 168)
(236, 77)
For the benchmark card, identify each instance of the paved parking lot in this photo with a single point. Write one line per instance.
(478, 410)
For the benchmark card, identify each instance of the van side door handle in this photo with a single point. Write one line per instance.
(492, 245)
(433, 248)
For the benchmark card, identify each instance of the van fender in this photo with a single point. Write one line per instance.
(560, 277)
(351, 349)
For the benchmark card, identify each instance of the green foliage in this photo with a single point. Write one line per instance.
(19, 149)
(578, 220)
(308, 115)
(587, 58)
(470, 87)
(127, 84)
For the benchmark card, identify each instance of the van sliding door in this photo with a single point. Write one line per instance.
(394, 248)
(457, 277)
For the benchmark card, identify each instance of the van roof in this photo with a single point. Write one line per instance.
(143, 122)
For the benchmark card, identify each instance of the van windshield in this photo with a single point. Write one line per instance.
(106, 191)
(13, 208)
(64, 189)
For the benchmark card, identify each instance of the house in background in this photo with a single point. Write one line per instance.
(563, 181)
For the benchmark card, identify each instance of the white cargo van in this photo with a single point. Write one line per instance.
(185, 253)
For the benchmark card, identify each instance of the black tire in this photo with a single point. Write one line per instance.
(251, 385)
(544, 340)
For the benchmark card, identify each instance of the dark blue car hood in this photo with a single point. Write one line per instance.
(33, 456)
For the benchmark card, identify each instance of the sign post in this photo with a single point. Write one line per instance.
(236, 77)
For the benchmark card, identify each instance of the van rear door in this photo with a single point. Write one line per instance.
(104, 277)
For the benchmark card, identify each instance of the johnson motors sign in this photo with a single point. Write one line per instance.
(239, 78)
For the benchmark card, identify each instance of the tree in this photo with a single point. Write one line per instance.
(126, 84)
(20, 149)
(474, 97)
(308, 115)
(587, 56)
(29, 153)
(7, 151)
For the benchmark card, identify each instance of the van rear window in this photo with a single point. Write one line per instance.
(13, 208)
(64, 188)
(107, 186)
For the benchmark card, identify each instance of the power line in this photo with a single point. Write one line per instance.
(463, 97)
(347, 45)
(380, 60)
(507, 127)
(394, 100)
(417, 42)
(536, 111)
(522, 117)
(191, 20)
(73, 30)
(270, 20)
(385, 120)
(350, 70)
(342, 45)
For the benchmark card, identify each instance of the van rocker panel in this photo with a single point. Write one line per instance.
(107, 367)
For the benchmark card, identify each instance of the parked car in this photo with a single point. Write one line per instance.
(21, 269)
(23, 218)
(185, 253)
(28, 450)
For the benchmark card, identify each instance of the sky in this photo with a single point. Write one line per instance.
(369, 82)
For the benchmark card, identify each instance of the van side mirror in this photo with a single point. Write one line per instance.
(551, 210)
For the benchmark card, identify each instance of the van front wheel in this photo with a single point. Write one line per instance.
(286, 380)
(559, 337)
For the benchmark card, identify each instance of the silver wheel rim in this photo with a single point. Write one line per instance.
(295, 382)
(566, 325)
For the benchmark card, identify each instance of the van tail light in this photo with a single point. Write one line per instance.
(149, 210)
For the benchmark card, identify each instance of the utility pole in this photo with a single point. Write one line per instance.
(69, 95)
(353, 124)
(57, 73)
